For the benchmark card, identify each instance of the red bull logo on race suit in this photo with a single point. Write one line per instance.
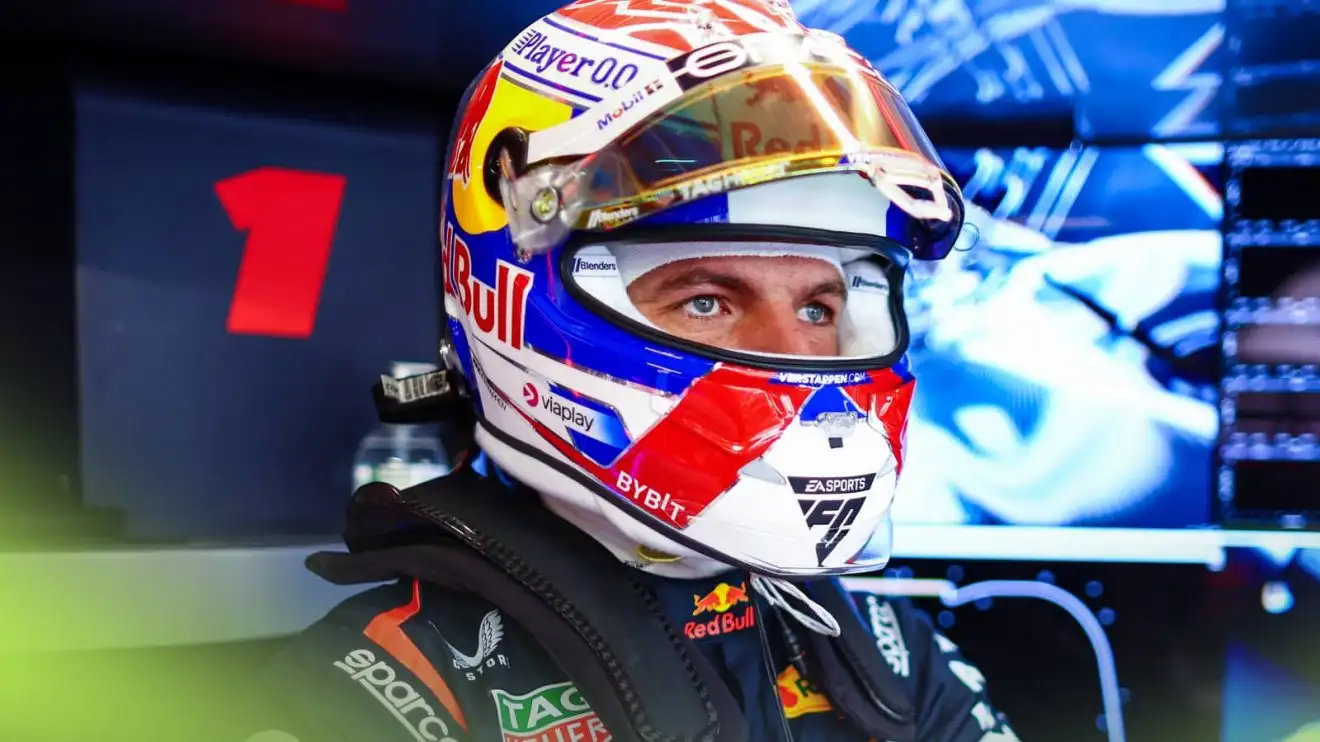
(720, 602)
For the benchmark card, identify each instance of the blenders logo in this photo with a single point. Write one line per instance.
(551, 713)
(564, 60)
(397, 696)
(595, 266)
(606, 218)
(721, 601)
(500, 310)
(869, 286)
(835, 516)
(571, 414)
(831, 485)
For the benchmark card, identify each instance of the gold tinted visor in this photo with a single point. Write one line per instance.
(753, 126)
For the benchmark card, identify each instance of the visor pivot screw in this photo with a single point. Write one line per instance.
(545, 205)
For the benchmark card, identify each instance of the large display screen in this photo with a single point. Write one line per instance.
(242, 280)
(1123, 68)
(1270, 455)
(1274, 83)
(1068, 360)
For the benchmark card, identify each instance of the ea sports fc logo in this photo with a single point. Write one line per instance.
(732, 611)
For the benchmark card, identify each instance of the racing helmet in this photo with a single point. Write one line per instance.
(612, 176)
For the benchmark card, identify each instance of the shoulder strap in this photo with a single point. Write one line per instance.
(596, 620)
(853, 673)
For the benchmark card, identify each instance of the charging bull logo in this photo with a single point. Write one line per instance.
(721, 601)
(460, 161)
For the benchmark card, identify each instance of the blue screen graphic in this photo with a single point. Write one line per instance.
(1124, 68)
(1274, 85)
(1067, 363)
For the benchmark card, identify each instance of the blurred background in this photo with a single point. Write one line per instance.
(217, 227)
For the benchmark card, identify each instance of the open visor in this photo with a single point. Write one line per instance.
(775, 305)
(752, 125)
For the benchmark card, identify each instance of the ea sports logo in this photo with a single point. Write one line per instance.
(530, 395)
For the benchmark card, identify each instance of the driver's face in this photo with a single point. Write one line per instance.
(785, 305)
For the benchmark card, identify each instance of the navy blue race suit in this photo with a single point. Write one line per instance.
(413, 662)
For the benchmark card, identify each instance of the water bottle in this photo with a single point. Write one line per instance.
(401, 455)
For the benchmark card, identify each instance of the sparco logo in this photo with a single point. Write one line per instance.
(835, 516)
(831, 485)
(888, 635)
(611, 217)
(401, 699)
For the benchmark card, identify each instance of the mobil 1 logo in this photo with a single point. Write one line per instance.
(831, 507)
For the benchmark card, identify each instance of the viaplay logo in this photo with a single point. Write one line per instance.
(721, 601)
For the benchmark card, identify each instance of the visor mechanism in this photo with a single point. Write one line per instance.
(533, 200)
(510, 144)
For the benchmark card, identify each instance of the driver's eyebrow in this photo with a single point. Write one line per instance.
(701, 277)
(828, 288)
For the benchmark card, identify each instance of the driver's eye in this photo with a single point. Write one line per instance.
(703, 306)
(816, 314)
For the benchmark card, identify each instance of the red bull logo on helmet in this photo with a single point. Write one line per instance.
(460, 160)
(750, 140)
(499, 310)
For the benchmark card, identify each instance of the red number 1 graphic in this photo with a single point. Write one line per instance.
(290, 217)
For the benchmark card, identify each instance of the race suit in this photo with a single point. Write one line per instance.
(414, 662)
